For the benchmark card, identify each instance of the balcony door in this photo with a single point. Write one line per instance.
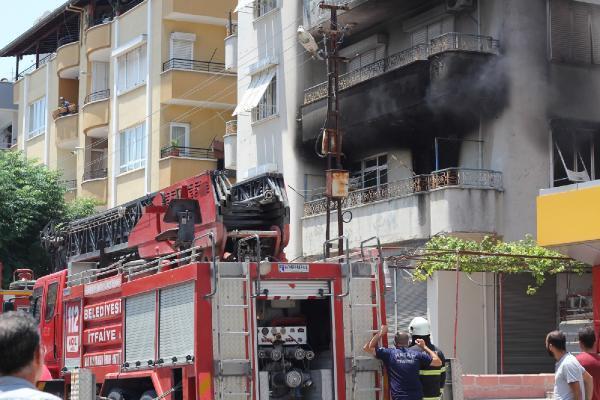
(182, 46)
(100, 72)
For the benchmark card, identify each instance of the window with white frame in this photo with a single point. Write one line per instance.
(99, 76)
(370, 172)
(132, 69)
(267, 105)
(182, 45)
(261, 7)
(132, 150)
(37, 118)
(180, 134)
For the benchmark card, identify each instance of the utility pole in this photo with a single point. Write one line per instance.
(336, 177)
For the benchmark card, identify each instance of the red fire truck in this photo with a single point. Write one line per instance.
(16, 297)
(187, 294)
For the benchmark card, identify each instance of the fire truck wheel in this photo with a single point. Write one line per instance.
(148, 395)
(117, 394)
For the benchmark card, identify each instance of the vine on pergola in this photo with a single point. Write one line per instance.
(444, 253)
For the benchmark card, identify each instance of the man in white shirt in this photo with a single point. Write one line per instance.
(571, 381)
(21, 360)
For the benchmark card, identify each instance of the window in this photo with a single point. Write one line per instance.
(366, 58)
(99, 76)
(51, 300)
(574, 32)
(182, 45)
(574, 154)
(424, 34)
(133, 148)
(370, 172)
(132, 69)
(180, 134)
(267, 105)
(261, 7)
(36, 303)
(37, 118)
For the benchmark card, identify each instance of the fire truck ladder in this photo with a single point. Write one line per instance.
(360, 289)
(234, 324)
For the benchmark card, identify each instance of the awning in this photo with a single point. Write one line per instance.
(255, 90)
(242, 4)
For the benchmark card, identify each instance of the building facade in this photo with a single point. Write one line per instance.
(454, 115)
(8, 116)
(125, 97)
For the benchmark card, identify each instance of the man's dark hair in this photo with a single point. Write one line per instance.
(557, 339)
(587, 337)
(19, 340)
(401, 339)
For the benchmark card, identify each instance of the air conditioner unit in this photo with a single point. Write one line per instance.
(460, 5)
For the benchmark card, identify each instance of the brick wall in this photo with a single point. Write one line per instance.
(507, 386)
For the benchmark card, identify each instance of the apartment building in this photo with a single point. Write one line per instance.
(454, 114)
(125, 97)
(8, 116)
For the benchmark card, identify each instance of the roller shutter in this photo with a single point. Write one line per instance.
(295, 289)
(140, 318)
(176, 330)
(527, 319)
(412, 300)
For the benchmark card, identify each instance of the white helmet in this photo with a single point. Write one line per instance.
(419, 326)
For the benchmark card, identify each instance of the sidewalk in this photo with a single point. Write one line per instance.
(507, 387)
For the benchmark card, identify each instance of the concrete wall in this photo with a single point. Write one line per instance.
(273, 141)
(417, 216)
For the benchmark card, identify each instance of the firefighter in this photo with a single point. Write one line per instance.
(432, 378)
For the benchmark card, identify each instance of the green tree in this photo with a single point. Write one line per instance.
(493, 255)
(31, 195)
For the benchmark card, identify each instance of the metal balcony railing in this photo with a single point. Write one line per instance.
(188, 152)
(461, 177)
(447, 42)
(33, 66)
(194, 65)
(97, 96)
(95, 174)
(231, 127)
(66, 40)
(69, 184)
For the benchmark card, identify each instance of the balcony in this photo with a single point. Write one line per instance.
(568, 220)
(177, 163)
(67, 58)
(456, 200)
(407, 88)
(196, 11)
(66, 131)
(92, 174)
(98, 37)
(193, 83)
(96, 111)
(96, 188)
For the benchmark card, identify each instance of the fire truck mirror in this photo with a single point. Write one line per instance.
(8, 306)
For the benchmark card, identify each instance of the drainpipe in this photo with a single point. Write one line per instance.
(114, 116)
(48, 120)
(148, 133)
(25, 102)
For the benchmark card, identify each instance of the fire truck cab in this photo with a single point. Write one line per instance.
(16, 297)
(185, 325)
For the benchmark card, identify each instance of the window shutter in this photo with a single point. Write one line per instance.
(419, 36)
(434, 30)
(560, 27)
(181, 49)
(354, 64)
(447, 25)
(379, 53)
(122, 73)
(580, 34)
(142, 64)
(99, 76)
(595, 28)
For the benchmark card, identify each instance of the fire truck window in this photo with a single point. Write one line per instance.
(36, 303)
(51, 300)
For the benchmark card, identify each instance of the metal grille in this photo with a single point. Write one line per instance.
(295, 289)
(194, 65)
(176, 330)
(140, 322)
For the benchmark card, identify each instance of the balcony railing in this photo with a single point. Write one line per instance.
(461, 177)
(447, 42)
(464, 42)
(44, 60)
(97, 96)
(70, 184)
(194, 65)
(95, 174)
(64, 111)
(231, 127)
(188, 152)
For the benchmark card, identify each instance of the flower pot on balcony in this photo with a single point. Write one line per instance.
(174, 152)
